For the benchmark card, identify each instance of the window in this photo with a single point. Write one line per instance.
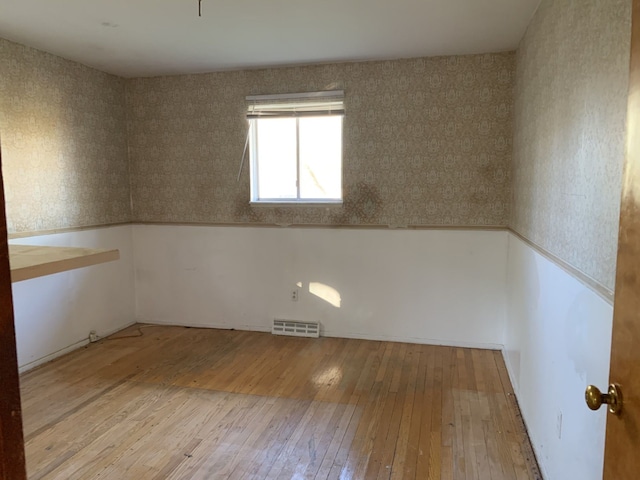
(295, 143)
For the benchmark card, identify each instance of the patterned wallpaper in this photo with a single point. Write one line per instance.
(64, 149)
(427, 142)
(569, 130)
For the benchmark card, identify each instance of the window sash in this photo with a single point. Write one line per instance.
(255, 179)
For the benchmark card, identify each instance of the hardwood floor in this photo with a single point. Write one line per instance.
(181, 403)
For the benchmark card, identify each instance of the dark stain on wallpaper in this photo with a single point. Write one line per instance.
(244, 213)
(362, 204)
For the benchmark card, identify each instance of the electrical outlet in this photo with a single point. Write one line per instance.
(294, 295)
(93, 336)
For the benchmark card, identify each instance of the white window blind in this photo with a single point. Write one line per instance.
(296, 104)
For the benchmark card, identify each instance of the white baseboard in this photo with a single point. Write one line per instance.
(505, 357)
(510, 373)
(417, 340)
(215, 326)
(74, 346)
(323, 333)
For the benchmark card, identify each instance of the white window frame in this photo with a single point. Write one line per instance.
(300, 112)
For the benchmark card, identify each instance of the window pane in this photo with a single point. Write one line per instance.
(276, 158)
(321, 157)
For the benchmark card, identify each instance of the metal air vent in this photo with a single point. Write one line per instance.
(295, 328)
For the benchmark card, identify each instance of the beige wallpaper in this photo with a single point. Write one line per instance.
(427, 142)
(570, 107)
(64, 149)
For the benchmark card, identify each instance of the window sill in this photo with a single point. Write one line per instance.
(296, 203)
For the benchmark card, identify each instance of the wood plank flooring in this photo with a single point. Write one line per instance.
(186, 403)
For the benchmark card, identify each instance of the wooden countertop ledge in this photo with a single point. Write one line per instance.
(31, 261)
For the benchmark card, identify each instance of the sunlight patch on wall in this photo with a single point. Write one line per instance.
(326, 293)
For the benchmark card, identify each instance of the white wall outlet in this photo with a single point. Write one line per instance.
(93, 336)
(294, 295)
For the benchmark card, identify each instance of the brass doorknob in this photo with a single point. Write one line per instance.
(595, 398)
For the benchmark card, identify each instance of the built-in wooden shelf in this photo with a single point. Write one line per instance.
(30, 261)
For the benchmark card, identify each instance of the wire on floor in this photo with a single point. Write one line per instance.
(139, 334)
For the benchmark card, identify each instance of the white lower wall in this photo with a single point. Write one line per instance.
(454, 287)
(558, 341)
(54, 314)
(429, 286)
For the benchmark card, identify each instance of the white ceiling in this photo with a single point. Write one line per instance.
(157, 37)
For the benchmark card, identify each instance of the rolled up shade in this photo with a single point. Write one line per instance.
(296, 104)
